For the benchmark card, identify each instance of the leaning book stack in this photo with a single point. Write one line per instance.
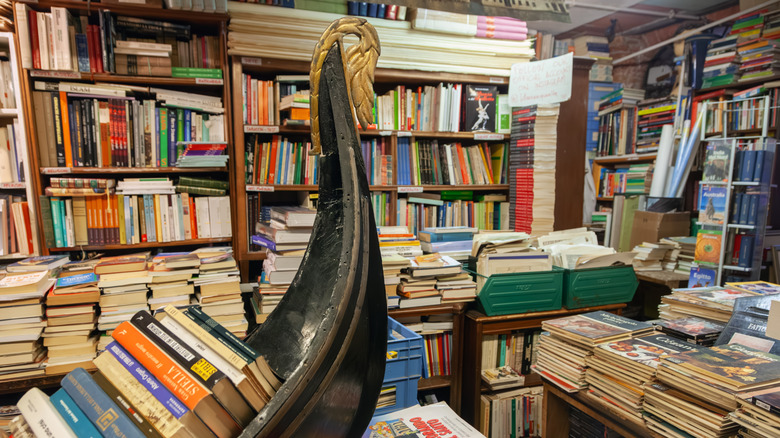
(218, 289)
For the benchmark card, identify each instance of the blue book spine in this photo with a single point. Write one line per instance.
(752, 209)
(739, 157)
(758, 172)
(744, 209)
(352, 8)
(82, 52)
(363, 9)
(171, 138)
(187, 125)
(56, 219)
(381, 10)
(372, 10)
(746, 251)
(748, 166)
(736, 208)
(157, 389)
(98, 407)
(70, 412)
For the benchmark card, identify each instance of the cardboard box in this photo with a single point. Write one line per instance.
(652, 227)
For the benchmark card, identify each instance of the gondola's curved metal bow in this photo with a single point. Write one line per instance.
(328, 336)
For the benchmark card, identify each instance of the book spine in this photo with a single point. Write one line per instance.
(196, 314)
(124, 404)
(96, 405)
(73, 416)
(42, 417)
(200, 191)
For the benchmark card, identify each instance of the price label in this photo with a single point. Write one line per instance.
(410, 189)
(251, 61)
(56, 170)
(55, 74)
(404, 133)
(495, 80)
(488, 136)
(209, 81)
(254, 188)
(13, 185)
(260, 129)
(385, 133)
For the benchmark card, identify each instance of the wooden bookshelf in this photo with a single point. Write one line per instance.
(134, 10)
(154, 81)
(625, 159)
(145, 245)
(54, 171)
(740, 85)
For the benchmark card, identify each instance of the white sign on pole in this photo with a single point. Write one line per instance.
(541, 82)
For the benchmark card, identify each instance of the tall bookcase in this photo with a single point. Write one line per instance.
(212, 24)
(7, 115)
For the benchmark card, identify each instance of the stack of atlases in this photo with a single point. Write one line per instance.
(693, 330)
(706, 381)
(71, 321)
(179, 375)
(418, 285)
(759, 414)
(171, 274)
(617, 370)
(450, 241)
(21, 323)
(655, 257)
(721, 67)
(218, 288)
(289, 229)
(398, 240)
(563, 351)
(392, 267)
(652, 115)
(712, 303)
(123, 287)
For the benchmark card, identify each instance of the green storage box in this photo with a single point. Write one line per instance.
(598, 286)
(506, 294)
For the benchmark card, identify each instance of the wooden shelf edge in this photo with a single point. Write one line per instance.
(547, 314)
(434, 382)
(305, 130)
(190, 242)
(252, 188)
(122, 79)
(620, 159)
(135, 10)
(57, 171)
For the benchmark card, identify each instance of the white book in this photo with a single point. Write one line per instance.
(128, 221)
(202, 213)
(143, 46)
(214, 205)
(6, 172)
(99, 90)
(209, 6)
(136, 219)
(166, 237)
(224, 213)
(44, 420)
(69, 226)
(23, 32)
(61, 36)
(185, 209)
(197, 5)
(174, 215)
(186, 5)
(43, 47)
(50, 40)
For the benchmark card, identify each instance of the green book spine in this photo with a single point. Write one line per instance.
(299, 164)
(194, 72)
(57, 225)
(502, 350)
(205, 191)
(121, 214)
(48, 225)
(513, 416)
(203, 182)
(396, 110)
(163, 143)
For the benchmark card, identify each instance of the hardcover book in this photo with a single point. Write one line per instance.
(695, 330)
(733, 366)
(593, 327)
(757, 287)
(717, 162)
(38, 263)
(769, 401)
(712, 204)
(646, 350)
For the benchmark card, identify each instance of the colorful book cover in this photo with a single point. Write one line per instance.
(647, 350)
(735, 365)
(757, 287)
(702, 277)
(708, 244)
(595, 325)
(479, 112)
(77, 280)
(717, 162)
(712, 204)
(691, 328)
(749, 329)
(39, 263)
(719, 295)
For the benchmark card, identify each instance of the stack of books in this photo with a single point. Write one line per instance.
(712, 303)
(171, 279)
(567, 343)
(693, 330)
(280, 161)
(398, 240)
(70, 335)
(454, 242)
(721, 67)
(219, 290)
(597, 48)
(151, 379)
(202, 154)
(418, 286)
(655, 257)
(22, 293)
(617, 370)
(687, 252)
(651, 116)
(265, 298)
(617, 122)
(124, 287)
(294, 108)
(758, 53)
(759, 413)
(288, 229)
(706, 381)
(393, 265)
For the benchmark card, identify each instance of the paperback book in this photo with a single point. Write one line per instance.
(712, 204)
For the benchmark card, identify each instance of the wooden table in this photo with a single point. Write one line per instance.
(670, 279)
(555, 414)
(479, 324)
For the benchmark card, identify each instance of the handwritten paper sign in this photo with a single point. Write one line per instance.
(541, 82)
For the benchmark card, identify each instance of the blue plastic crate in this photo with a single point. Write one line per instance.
(405, 394)
(409, 351)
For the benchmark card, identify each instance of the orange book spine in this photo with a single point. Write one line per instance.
(263, 94)
(177, 380)
(272, 164)
(90, 223)
(66, 129)
(463, 171)
(193, 219)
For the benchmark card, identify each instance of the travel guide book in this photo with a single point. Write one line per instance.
(716, 162)
(712, 204)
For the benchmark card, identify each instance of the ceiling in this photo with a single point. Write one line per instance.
(593, 17)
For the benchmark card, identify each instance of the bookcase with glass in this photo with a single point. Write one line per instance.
(733, 195)
(129, 142)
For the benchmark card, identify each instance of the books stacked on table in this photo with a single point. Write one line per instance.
(759, 414)
(568, 341)
(652, 115)
(712, 303)
(418, 285)
(123, 283)
(617, 370)
(398, 240)
(455, 242)
(691, 329)
(219, 289)
(171, 274)
(721, 66)
(655, 256)
(181, 374)
(699, 388)
(22, 293)
(597, 48)
(71, 321)
(288, 229)
(393, 266)
(687, 252)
